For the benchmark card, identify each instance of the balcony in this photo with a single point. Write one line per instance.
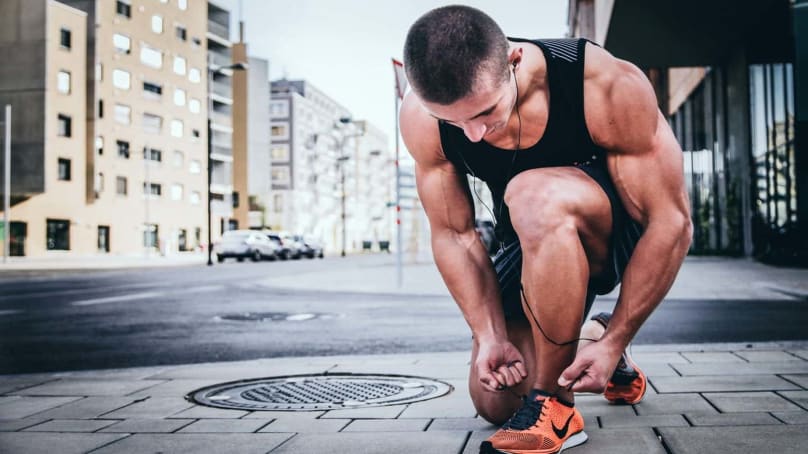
(223, 90)
(219, 30)
(219, 59)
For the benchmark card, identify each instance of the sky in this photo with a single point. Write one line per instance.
(345, 47)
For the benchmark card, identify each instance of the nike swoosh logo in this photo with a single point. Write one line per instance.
(561, 433)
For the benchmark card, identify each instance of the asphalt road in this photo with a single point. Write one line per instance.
(60, 321)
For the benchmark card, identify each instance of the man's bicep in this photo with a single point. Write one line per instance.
(445, 197)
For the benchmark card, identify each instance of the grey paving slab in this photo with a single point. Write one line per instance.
(792, 417)
(30, 443)
(782, 367)
(732, 419)
(73, 387)
(644, 357)
(174, 388)
(148, 425)
(201, 412)
(712, 357)
(799, 379)
(196, 443)
(770, 356)
(305, 426)
(87, 408)
(134, 373)
(456, 404)
(674, 404)
(477, 437)
(10, 383)
(802, 353)
(154, 407)
(781, 439)
(306, 415)
(367, 413)
(461, 424)
(386, 425)
(13, 407)
(439, 442)
(620, 441)
(599, 406)
(224, 426)
(658, 370)
(13, 425)
(798, 397)
(612, 422)
(72, 425)
(225, 372)
(719, 383)
(752, 401)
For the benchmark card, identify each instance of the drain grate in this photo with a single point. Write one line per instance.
(319, 392)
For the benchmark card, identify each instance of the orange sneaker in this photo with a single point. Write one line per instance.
(543, 425)
(628, 383)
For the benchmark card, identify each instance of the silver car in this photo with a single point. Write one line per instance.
(241, 244)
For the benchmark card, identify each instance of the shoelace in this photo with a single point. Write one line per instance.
(526, 416)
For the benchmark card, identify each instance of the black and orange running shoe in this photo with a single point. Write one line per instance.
(628, 383)
(543, 425)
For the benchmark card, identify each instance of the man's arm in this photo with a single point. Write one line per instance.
(459, 254)
(646, 165)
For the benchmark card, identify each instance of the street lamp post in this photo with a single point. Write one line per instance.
(212, 71)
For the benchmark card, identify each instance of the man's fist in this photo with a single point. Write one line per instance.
(500, 365)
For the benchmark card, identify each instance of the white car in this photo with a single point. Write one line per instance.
(241, 244)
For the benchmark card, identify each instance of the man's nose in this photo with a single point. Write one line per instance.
(475, 132)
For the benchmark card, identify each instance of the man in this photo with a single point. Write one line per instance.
(587, 187)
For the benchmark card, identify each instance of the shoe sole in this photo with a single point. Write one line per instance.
(621, 400)
(573, 441)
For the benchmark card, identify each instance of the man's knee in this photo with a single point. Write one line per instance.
(540, 213)
(495, 408)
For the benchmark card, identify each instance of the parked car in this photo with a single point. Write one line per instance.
(241, 244)
(284, 252)
(309, 246)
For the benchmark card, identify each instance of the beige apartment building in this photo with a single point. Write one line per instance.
(109, 127)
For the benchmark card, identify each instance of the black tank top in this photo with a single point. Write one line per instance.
(565, 142)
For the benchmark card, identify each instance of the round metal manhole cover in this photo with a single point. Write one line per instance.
(319, 392)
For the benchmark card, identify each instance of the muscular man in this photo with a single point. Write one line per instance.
(587, 187)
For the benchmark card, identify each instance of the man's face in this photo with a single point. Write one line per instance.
(482, 113)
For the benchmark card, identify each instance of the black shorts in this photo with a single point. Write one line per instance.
(625, 234)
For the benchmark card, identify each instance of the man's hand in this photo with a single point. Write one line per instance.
(500, 365)
(592, 368)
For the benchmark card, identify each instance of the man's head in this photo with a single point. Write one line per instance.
(450, 50)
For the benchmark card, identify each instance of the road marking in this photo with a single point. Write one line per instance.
(10, 312)
(116, 299)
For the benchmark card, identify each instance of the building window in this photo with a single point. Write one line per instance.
(58, 235)
(123, 8)
(280, 152)
(194, 75)
(279, 131)
(194, 105)
(157, 24)
(179, 97)
(120, 186)
(123, 114)
(176, 192)
(123, 149)
(64, 38)
(179, 65)
(103, 238)
(99, 72)
(279, 109)
(152, 189)
(63, 82)
(277, 203)
(152, 154)
(195, 166)
(65, 126)
(181, 32)
(195, 197)
(182, 4)
(152, 124)
(150, 235)
(151, 57)
(64, 169)
(99, 184)
(99, 145)
(179, 158)
(121, 79)
(280, 175)
(100, 108)
(121, 43)
(176, 128)
(152, 90)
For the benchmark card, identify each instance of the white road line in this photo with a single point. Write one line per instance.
(10, 312)
(116, 299)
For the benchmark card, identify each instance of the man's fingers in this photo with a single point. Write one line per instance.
(520, 367)
(572, 373)
(511, 376)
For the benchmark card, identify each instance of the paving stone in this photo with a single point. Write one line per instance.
(620, 441)
(386, 425)
(732, 419)
(461, 424)
(642, 358)
(10, 383)
(196, 443)
(456, 404)
(476, 438)
(611, 422)
(87, 408)
(23, 442)
(201, 412)
(718, 383)
(438, 442)
(800, 379)
(802, 353)
(72, 425)
(15, 407)
(658, 370)
(154, 407)
(753, 402)
(148, 425)
(174, 388)
(224, 372)
(306, 426)
(792, 417)
(774, 356)
(307, 415)
(712, 357)
(698, 440)
(367, 413)
(598, 406)
(674, 404)
(13, 425)
(72, 387)
(224, 426)
(782, 367)
(798, 397)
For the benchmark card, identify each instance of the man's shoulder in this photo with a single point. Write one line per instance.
(420, 131)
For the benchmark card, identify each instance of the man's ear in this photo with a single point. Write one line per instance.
(515, 56)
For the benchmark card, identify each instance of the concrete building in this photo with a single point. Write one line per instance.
(259, 183)
(732, 78)
(109, 125)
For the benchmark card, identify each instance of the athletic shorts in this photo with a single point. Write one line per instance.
(625, 234)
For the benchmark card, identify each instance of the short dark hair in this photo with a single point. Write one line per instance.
(449, 49)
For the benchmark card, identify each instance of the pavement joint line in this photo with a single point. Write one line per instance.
(111, 442)
(771, 413)
(465, 442)
(735, 353)
(710, 403)
(802, 407)
(664, 443)
(782, 377)
(118, 299)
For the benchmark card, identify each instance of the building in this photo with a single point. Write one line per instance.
(259, 183)
(109, 124)
(732, 78)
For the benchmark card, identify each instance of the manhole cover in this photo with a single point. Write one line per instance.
(319, 392)
(273, 316)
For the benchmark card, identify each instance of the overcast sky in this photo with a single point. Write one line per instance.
(344, 47)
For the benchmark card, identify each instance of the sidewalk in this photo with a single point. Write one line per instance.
(67, 261)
